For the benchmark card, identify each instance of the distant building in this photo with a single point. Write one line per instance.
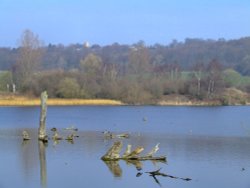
(86, 45)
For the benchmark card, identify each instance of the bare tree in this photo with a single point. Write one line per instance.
(198, 73)
(214, 76)
(139, 59)
(29, 58)
(91, 73)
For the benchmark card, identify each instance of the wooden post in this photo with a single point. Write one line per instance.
(42, 126)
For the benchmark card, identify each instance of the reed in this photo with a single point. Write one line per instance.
(25, 101)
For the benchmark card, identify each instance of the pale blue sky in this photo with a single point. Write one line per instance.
(126, 22)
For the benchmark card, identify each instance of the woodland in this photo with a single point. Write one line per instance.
(192, 70)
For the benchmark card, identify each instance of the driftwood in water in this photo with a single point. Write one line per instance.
(128, 150)
(71, 128)
(110, 135)
(42, 126)
(56, 136)
(70, 137)
(25, 135)
(114, 153)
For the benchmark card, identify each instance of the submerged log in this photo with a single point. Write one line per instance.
(25, 135)
(71, 128)
(56, 136)
(144, 158)
(114, 153)
(153, 151)
(135, 153)
(128, 151)
(70, 137)
(42, 126)
(110, 135)
(123, 135)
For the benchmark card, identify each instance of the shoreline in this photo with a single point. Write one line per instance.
(29, 101)
(24, 101)
(103, 102)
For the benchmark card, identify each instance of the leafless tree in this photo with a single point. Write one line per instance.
(29, 58)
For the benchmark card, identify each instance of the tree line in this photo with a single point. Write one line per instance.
(196, 68)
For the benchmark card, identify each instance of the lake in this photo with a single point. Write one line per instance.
(209, 145)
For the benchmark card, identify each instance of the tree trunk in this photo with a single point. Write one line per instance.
(42, 127)
(198, 86)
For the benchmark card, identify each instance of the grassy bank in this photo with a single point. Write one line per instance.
(229, 97)
(25, 101)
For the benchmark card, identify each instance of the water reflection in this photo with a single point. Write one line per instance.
(26, 155)
(43, 166)
(225, 160)
(114, 168)
(30, 156)
(137, 164)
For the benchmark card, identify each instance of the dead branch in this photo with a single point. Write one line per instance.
(114, 153)
(56, 136)
(153, 151)
(128, 151)
(135, 153)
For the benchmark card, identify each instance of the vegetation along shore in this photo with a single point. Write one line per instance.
(27, 101)
(192, 72)
(233, 98)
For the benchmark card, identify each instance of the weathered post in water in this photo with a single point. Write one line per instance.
(42, 126)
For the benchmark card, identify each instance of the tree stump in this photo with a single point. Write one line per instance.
(25, 135)
(42, 126)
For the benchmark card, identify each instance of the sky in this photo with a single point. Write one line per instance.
(105, 22)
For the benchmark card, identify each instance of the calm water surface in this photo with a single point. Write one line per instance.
(210, 145)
